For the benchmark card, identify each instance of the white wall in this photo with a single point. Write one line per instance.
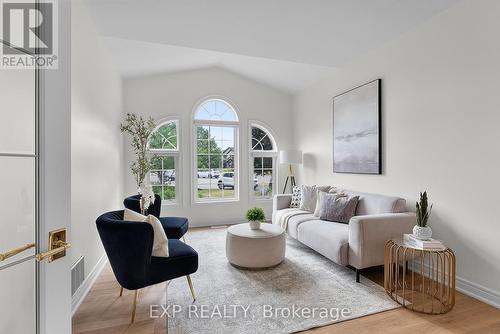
(440, 118)
(96, 143)
(177, 94)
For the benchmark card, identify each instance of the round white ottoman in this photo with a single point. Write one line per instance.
(255, 249)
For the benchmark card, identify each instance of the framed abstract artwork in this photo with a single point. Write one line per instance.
(357, 130)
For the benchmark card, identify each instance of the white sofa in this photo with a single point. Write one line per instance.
(360, 243)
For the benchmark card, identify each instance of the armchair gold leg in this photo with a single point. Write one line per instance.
(134, 305)
(121, 291)
(191, 287)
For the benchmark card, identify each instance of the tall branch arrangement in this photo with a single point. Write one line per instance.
(139, 129)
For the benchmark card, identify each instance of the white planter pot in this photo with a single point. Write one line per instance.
(254, 225)
(422, 233)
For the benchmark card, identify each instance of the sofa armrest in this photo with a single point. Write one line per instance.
(368, 234)
(281, 202)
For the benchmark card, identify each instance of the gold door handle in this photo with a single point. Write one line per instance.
(60, 247)
(15, 251)
(57, 246)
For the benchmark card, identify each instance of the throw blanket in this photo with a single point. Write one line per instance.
(283, 216)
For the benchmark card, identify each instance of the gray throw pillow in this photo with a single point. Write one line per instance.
(338, 208)
(333, 190)
(296, 197)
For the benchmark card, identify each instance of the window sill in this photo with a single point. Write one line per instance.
(168, 203)
(217, 201)
(261, 200)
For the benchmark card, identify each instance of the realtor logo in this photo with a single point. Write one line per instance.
(29, 34)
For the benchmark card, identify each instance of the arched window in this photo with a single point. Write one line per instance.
(164, 174)
(263, 153)
(216, 110)
(216, 151)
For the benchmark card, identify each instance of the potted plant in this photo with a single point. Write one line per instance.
(140, 129)
(255, 216)
(422, 231)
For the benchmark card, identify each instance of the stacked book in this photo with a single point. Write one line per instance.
(430, 244)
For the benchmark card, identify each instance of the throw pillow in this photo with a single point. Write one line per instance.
(310, 196)
(296, 197)
(132, 216)
(160, 241)
(338, 207)
(319, 203)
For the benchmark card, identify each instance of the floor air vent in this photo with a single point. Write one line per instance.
(77, 274)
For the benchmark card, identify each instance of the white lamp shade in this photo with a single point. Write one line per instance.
(291, 157)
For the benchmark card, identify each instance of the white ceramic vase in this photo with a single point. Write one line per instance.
(422, 233)
(254, 225)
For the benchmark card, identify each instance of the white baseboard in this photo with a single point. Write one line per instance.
(87, 284)
(472, 289)
(479, 292)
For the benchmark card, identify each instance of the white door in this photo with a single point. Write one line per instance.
(35, 296)
(18, 202)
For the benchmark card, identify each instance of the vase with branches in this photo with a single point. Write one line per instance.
(140, 129)
(423, 211)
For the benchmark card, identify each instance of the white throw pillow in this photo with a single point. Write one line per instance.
(318, 202)
(160, 241)
(310, 197)
(132, 216)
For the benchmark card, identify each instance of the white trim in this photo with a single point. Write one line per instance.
(177, 157)
(159, 124)
(471, 289)
(215, 123)
(477, 291)
(87, 284)
(221, 98)
(267, 154)
(194, 157)
(267, 129)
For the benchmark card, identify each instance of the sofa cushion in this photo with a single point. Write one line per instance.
(295, 221)
(371, 204)
(327, 238)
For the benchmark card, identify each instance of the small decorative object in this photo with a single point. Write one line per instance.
(422, 231)
(147, 196)
(255, 216)
(357, 130)
(290, 157)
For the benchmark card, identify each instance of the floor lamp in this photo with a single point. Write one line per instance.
(290, 157)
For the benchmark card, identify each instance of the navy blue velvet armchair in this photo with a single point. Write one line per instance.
(175, 227)
(128, 246)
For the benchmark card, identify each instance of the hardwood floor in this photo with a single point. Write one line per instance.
(468, 316)
(103, 311)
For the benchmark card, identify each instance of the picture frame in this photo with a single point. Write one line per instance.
(357, 130)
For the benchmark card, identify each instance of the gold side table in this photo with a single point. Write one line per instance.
(419, 280)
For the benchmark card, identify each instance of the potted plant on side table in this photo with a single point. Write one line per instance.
(255, 217)
(422, 231)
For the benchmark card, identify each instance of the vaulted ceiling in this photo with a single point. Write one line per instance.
(285, 43)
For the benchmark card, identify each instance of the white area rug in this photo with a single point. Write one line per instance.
(305, 279)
